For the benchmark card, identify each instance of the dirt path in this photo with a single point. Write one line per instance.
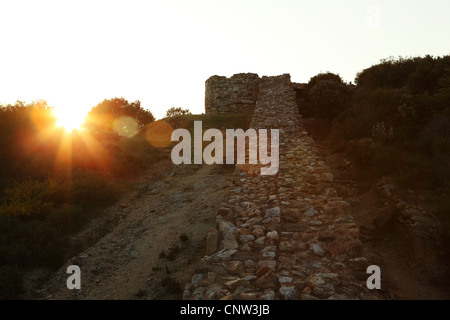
(169, 213)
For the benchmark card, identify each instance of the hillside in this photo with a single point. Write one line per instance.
(352, 176)
(309, 232)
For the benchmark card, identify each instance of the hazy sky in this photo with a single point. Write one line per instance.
(74, 54)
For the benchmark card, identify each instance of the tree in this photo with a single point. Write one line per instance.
(327, 96)
(323, 76)
(102, 117)
(20, 126)
(173, 112)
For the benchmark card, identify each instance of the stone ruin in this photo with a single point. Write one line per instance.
(287, 236)
(238, 93)
(226, 95)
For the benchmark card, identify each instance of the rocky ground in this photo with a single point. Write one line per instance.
(153, 238)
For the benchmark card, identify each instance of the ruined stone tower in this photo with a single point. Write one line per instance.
(235, 94)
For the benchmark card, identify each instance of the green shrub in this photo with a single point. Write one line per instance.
(387, 159)
(91, 191)
(16, 253)
(46, 243)
(434, 135)
(383, 159)
(29, 243)
(102, 117)
(68, 218)
(415, 172)
(354, 128)
(327, 96)
(26, 198)
(44, 197)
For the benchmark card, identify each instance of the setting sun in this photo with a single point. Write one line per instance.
(69, 119)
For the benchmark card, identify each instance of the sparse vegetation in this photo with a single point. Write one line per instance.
(118, 116)
(171, 253)
(174, 112)
(218, 121)
(52, 182)
(396, 121)
(173, 250)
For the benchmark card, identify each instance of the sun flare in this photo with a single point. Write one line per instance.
(69, 119)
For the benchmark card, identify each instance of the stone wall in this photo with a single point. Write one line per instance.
(276, 105)
(235, 94)
(286, 236)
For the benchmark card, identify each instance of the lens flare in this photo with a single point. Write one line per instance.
(159, 133)
(126, 127)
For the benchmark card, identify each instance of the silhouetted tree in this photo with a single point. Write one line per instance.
(327, 96)
(172, 112)
(20, 125)
(417, 74)
(323, 76)
(102, 116)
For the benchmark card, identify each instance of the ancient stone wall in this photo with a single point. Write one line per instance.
(276, 105)
(235, 94)
(284, 236)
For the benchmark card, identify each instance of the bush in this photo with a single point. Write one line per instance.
(102, 117)
(68, 218)
(382, 114)
(173, 112)
(419, 75)
(48, 191)
(327, 96)
(90, 191)
(46, 243)
(383, 159)
(353, 127)
(387, 159)
(416, 172)
(26, 198)
(31, 243)
(434, 134)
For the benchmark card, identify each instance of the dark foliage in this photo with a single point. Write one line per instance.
(326, 95)
(112, 116)
(173, 112)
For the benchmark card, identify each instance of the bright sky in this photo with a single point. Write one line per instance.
(74, 54)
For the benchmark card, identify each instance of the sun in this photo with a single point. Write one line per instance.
(69, 119)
